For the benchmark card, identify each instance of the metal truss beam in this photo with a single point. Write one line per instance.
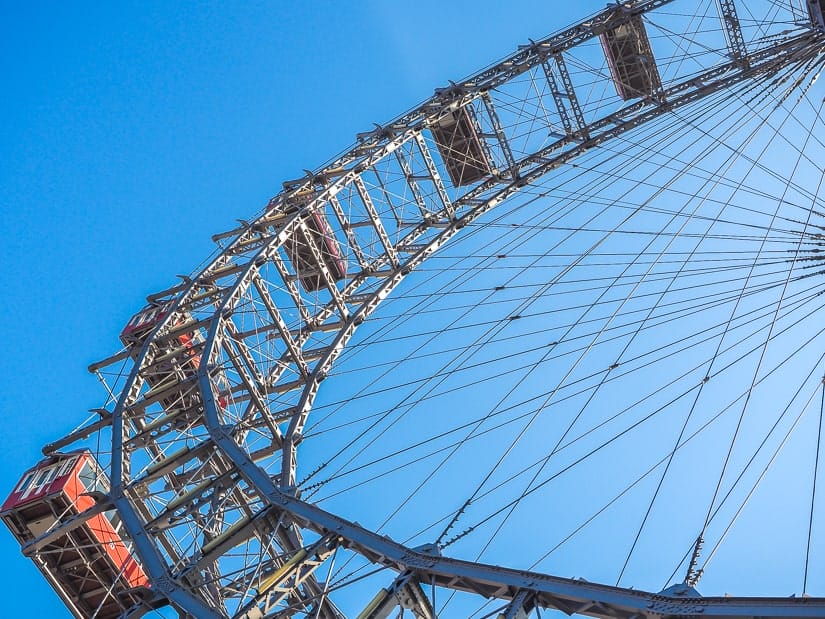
(412, 183)
(498, 132)
(282, 583)
(321, 264)
(346, 226)
(251, 382)
(405, 593)
(564, 97)
(291, 287)
(518, 608)
(732, 30)
(275, 314)
(446, 203)
(375, 219)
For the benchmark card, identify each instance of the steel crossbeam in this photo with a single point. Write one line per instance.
(500, 136)
(568, 93)
(732, 30)
(375, 219)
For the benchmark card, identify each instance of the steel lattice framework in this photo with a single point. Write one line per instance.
(204, 463)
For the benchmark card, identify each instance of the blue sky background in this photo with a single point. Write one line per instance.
(131, 132)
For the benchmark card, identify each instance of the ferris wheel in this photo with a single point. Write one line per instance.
(551, 342)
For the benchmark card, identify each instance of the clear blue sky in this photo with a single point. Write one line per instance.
(131, 132)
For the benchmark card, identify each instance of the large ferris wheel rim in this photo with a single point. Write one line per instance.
(546, 591)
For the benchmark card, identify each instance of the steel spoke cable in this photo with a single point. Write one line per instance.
(745, 406)
(754, 487)
(508, 315)
(572, 441)
(683, 375)
(741, 396)
(747, 320)
(660, 276)
(720, 299)
(618, 360)
(709, 107)
(496, 324)
(595, 198)
(709, 372)
(818, 437)
(374, 336)
(706, 425)
(665, 320)
(753, 191)
(716, 299)
(665, 406)
(552, 393)
(813, 489)
(756, 453)
(713, 266)
(698, 395)
(654, 297)
(495, 329)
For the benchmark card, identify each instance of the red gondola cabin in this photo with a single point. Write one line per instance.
(181, 353)
(142, 323)
(303, 258)
(89, 564)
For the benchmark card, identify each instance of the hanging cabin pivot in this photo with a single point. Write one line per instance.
(630, 58)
